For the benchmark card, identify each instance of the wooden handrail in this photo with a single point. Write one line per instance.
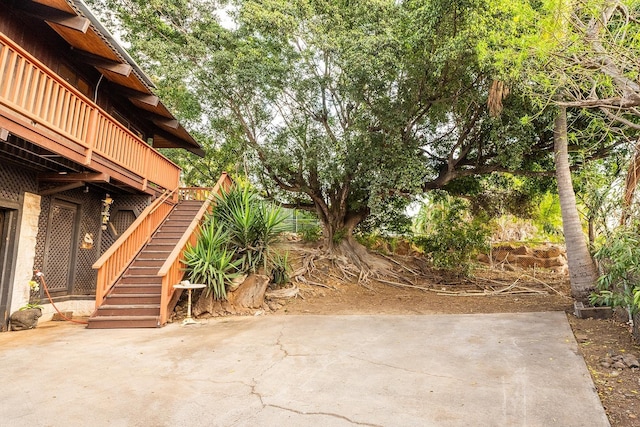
(131, 229)
(33, 90)
(117, 258)
(172, 270)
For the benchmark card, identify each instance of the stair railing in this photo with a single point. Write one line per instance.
(117, 258)
(172, 271)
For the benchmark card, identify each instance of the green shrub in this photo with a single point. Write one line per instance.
(312, 234)
(619, 259)
(451, 236)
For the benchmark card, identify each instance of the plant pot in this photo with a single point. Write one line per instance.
(584, 312)
(25, 319)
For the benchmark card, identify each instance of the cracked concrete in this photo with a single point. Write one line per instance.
(440, 370)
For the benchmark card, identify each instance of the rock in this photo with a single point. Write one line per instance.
(273, 306)
(618, 365)
(62, 316)
(204, 304)
(235, 283)
(25, 319)
(581, 337)
(250, 294)
(605, 365)
(631, 361)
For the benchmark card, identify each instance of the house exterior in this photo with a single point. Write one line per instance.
(79, 129)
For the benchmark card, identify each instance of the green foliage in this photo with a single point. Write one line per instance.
(349, 106)
(449, 234)
(280, 268)
(251, 224)
(211, 261)
(30, 305)
(312, 234)
(619, 259)
(548, 217)
(339, 236)
(599, 189)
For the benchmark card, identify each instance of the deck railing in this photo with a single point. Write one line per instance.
(28, 87)
(172, 270)
(117, 258)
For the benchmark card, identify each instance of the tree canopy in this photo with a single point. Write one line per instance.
(346, 107)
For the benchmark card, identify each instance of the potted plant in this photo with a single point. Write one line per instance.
(27, 316)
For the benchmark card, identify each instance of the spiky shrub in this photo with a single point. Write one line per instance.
(211, 261)
(280, 268)
(252, 225)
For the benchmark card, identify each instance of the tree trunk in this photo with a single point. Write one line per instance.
(582, 271)
(339, 240)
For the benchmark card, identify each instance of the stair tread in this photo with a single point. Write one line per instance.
(116, 318)
(116, 306)
(117, 295)
(140, 275)
(137, 285)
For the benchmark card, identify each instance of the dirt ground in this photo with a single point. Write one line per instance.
(489, 290)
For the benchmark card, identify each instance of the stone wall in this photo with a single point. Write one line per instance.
(509, 256)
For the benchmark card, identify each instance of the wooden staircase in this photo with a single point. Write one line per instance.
(134, 300)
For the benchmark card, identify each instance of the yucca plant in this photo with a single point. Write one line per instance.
(210, 261)
(251, 224)
(280, 268)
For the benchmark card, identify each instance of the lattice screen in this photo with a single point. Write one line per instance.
(90, 206)
(85, 277)
(59, 254)
(16, 181)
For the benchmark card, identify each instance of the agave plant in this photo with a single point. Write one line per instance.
(210, 261)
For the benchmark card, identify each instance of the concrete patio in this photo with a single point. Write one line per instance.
(440, 370)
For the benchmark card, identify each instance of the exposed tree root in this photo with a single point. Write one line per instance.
(351, 262)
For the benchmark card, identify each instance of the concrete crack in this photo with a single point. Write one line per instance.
(280, 345)
(328, 414)
(411, 371)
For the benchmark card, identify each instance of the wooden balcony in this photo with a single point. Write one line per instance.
(39, 106)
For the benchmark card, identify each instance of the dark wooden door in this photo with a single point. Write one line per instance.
(59, 262)
(8, 220)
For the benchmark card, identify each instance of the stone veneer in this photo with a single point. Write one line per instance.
(28, 230)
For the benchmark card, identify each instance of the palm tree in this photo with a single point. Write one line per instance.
(582, 270)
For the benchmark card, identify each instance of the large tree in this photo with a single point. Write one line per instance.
(345, 105)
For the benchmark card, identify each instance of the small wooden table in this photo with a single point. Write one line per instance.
(189, 286)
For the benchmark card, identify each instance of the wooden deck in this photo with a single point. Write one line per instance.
(41, 107)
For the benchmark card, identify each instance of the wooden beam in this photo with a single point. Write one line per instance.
(146, 98)
(173, 141)
(74, 177)
(123, 69)
(56, 16)
(162, 121)
(61, 188)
